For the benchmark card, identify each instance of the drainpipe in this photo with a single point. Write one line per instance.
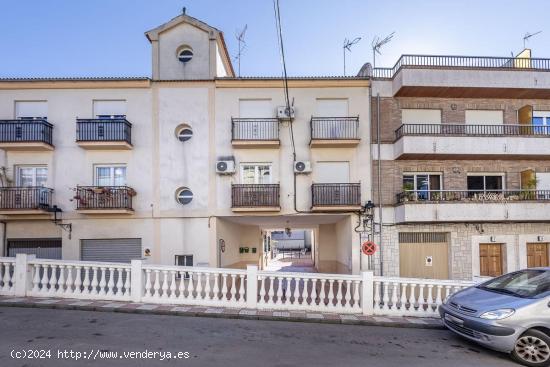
(4, 251)
(379, 167)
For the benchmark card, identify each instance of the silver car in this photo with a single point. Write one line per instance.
(509, 314)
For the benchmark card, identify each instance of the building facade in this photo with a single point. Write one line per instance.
(462, 155)
(188, 167)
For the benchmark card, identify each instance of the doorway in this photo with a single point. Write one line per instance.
(490, 259)
(537, 255)
(291, 250)
(424, 255)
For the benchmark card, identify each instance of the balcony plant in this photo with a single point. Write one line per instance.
(408, 191)
(528, 192)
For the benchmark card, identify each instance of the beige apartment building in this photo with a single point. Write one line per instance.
(463, 159)
(193, 166)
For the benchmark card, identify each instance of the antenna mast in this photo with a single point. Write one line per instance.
(527, 36)
(347, 47)
(239, 35)
(377, 44)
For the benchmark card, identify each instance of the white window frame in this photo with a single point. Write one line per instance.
(112, 168)
(414, 174)
(34, 168)
(484, 174)
(256, 171)
(22, 117)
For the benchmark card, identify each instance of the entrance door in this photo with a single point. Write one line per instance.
(423, 255)
(537, 255)
(490, 259)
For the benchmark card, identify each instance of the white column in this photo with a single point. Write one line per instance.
(136, 286)
(23, 274)
(251, 286)
(367, 279)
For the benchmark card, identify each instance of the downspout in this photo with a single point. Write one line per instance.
(4, 239)
(379, 167)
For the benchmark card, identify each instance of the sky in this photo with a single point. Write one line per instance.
(74, 38)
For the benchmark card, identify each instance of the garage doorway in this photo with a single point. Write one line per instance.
(122, 250)
(490, 259)
(537, 255)
(424, 255)
(42, 248)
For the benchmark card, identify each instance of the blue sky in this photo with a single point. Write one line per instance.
(49, 38)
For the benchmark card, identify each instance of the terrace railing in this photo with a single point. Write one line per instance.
(254, 129)
(104, 197)
(471, 130)
(98, 130)
(336, 194)
(252, 195)
(475, 196)
(334, 128)
(25, 198)
(26, 131)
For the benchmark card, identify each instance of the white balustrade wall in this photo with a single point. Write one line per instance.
(364, 294)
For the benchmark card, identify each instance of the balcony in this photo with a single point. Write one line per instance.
(334, 132)
(104, 134)
(25, 200)
(336, 197)
(255, 132)
(255, 198)
(468, 76)
(472, 205)
(104, 199)
(454, 141)
(30, 135)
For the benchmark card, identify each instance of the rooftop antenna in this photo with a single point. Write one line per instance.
(347, 47)
(377, 44)
(183, 10)
(527, 36)
(239, 35)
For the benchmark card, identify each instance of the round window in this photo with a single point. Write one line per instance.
(184, 195)
(184, 132)
(185, 55)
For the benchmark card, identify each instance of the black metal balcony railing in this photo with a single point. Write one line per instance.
(251, 195)
(476, 196)
(472, 130)
(26, 131)
(463, 62)
(25, 198)
(336, 194)
(97, 130)
(104, 197)
(254, 129)
(334, 128)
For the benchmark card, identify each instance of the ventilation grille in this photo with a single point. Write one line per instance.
(422, 237)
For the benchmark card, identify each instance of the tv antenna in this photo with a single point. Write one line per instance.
(347, 47)
(529, 35)
(239, 35)
(377, 44)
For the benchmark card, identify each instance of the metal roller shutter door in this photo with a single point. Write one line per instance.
(43, 248)
(111, 250)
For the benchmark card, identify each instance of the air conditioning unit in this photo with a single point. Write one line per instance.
(302, 167)
(225, 167)
(285, 114)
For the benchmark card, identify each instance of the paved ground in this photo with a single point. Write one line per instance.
(226, 342)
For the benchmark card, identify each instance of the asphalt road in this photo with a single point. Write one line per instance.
(221, 342)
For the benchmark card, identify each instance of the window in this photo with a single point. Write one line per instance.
(184, 260)
(184, 132)
(185, 55)
(420, 116)
(423, 184)
(332, 172)
(490, 183)
(32, 176)
(541, 119)
(332, 108)
(484, 117)
(184, 195)
(29, 110)
(255, 173)
(110, 175)
(255, 108)
(110, 109)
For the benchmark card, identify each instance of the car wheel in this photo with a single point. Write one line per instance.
(532, 349)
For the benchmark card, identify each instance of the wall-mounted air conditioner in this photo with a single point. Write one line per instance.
(302, 167)
(225, 167)
(284, 113)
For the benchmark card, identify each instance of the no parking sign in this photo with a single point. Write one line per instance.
(368, 248)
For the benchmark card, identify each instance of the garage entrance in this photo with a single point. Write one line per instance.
(537, 255)
(43, 248)
(111, 250)
(424, 255)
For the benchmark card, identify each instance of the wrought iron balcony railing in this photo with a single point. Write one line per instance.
(254, 129)
(25, 198)
(473, 196)
(252, 195)
(104, 197)
(334, 128)
(26, 131)
(471, 130)
(462, 62)
(103, 130)
(336, 194)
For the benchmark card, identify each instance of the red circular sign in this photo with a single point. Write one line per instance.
(368, 248)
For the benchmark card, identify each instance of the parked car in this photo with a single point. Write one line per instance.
(510, 313)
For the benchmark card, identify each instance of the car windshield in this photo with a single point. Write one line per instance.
(531, 283)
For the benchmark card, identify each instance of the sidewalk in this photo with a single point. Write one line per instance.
(295, 316)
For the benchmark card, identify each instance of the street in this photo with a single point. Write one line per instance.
(83, 338)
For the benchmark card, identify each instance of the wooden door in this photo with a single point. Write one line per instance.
(490, 259)
(537, 255)
(424, 260)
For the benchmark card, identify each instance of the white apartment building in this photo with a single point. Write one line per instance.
(193, 166)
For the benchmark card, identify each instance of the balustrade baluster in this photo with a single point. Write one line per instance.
(94, 282)
(36, 279)
(86, 285)
(61, 280)
(172, 284)
(53, 279)
(164, 284)
(242, 288)
(148, 290)
(376, 297)
(156, 284)
(262, 289)
(103, 283)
